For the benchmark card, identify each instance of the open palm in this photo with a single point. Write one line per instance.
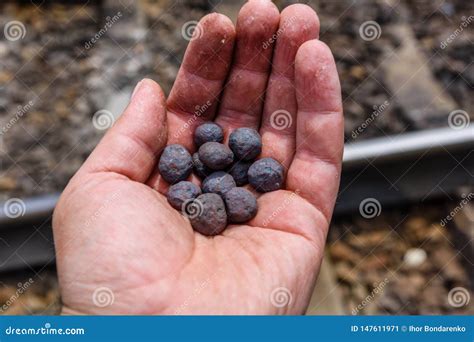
(120, 246)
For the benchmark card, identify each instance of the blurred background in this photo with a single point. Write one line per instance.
(401, 241)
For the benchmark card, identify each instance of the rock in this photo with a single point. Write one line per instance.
(414, 257)
(358, 72)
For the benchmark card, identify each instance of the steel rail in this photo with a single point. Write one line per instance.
(407, 145)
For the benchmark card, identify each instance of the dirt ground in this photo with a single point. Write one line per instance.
(52, 84)
(403, 262)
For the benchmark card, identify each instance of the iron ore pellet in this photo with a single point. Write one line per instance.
(266, 175)
(209, 216)
(207, 132)
(201, 170)
(175, 163)
(239, 172)
(218, 182)
(246, 143)
(223, 170)
(182, 192)
(215, 156)
(241, 205)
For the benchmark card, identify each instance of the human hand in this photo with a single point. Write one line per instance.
(116, 235)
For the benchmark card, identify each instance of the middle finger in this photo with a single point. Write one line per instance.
(242, 100)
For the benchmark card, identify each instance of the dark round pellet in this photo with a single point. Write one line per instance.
(266, 175)
(218, 182)
(241, 205)
(239, 172)
(181, 192)
(216, 156)
(207, 132)
(175, 164)
(201, 170)
(246, 143)
(208, 215)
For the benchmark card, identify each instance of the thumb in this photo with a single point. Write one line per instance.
(131, 146)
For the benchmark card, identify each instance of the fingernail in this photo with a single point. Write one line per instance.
(137, 87)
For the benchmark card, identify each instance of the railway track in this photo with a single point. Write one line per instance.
(394, 171)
